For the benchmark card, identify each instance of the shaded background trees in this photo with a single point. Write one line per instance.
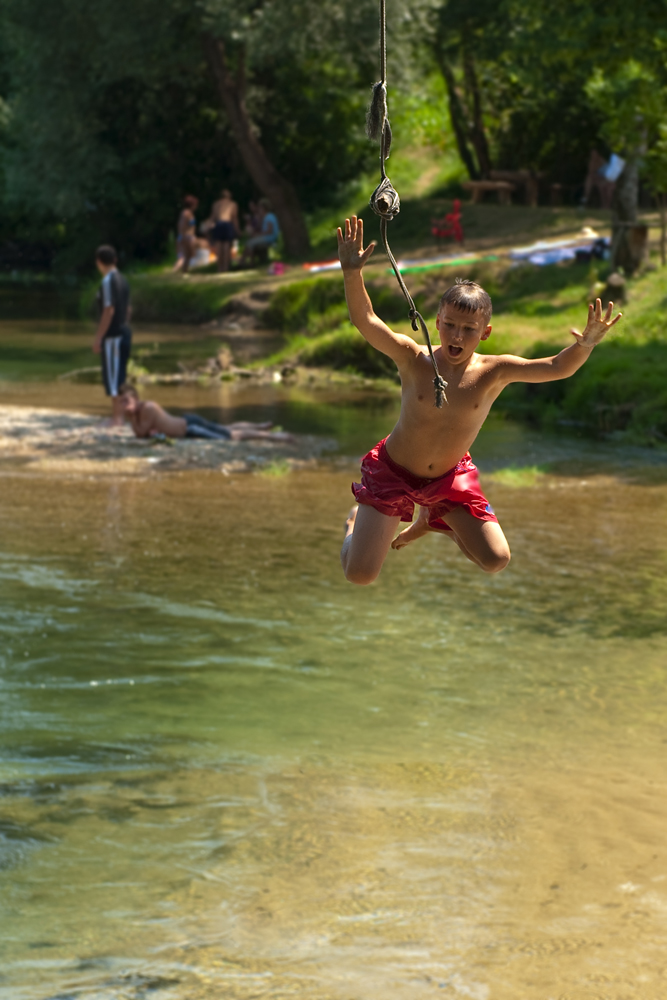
(116, 112)
(110, 113)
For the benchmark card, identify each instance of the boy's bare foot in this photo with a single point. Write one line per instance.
(416, 530)
(350, 519)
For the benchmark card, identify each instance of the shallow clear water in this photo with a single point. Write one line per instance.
(225, 772)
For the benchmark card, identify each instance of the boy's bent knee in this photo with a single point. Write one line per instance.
(360, 575)
(496, 562)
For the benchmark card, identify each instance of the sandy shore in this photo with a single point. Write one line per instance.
(42, 440)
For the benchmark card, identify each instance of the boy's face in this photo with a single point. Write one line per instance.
(461, 332)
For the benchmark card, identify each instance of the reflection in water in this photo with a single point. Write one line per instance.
(228, 773)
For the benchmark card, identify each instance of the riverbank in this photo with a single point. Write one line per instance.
(620, 392)
(294, 327)
(37, 440)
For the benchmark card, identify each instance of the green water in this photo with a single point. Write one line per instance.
(226, 773)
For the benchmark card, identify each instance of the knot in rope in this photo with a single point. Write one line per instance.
(385, 201)
(440, 387)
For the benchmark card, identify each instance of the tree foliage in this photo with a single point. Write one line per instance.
(109, 113)
(538, 85)
(115, 114)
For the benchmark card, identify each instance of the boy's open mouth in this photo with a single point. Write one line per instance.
(454, 351)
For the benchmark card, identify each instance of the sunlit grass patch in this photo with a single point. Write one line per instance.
(276, 469)
(520, 476)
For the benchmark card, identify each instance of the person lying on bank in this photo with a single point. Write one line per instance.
(149, 419)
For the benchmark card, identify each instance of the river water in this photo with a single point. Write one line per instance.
(226, 773)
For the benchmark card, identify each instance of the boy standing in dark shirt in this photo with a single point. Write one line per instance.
(113, 338)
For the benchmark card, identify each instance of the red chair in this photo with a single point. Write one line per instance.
(449, 227)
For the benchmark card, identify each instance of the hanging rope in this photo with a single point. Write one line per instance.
(385, 201)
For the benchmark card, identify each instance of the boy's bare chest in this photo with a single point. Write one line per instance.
(467, 396)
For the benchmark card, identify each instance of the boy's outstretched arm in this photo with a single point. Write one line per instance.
(352, 258)
(569, 360)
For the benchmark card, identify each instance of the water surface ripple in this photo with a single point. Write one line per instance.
(226, 773)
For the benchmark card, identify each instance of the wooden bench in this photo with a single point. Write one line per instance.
(502, 188)
(526, 179)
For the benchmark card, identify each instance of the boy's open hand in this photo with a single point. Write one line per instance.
(351, 251)
(597, 325)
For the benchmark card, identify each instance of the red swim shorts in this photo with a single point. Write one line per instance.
(394, 491)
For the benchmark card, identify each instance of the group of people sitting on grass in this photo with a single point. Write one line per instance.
(219, 233)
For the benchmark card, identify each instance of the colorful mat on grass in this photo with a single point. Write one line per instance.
(427, 263)
(540, 253)
(416, 264)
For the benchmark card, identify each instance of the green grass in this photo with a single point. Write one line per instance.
(520, 477)
(621, 391)
(163, 297)
(275, 470)
(160, 298)
(342, 349)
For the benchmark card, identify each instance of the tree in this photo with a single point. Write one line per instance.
(656, 171)
(232, 85)
(631, 102)
(122, 104)
(521, 77)
(463, 37)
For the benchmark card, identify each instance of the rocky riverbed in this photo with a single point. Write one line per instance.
(43, 440)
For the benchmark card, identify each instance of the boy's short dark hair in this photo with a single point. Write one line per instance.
(106, 254)
(468, 295)
(127, 389)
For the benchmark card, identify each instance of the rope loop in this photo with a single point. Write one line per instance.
(376, 116)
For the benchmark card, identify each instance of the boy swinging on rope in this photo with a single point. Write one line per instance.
(425, 460)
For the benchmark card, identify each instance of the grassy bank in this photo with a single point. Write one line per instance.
(161, 296)
(621, 391)
(171, 298)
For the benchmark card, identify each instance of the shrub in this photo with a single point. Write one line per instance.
(345, 349)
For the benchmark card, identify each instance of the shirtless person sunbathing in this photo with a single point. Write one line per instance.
(425, 460)
(149, 419)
